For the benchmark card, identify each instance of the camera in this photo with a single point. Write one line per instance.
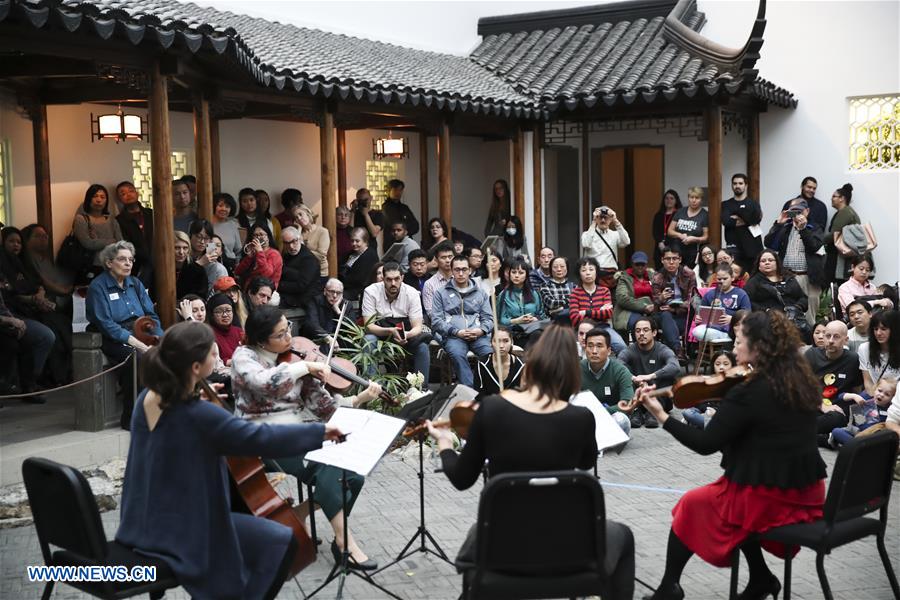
(362, 202)
(604, 211)
(793, 213)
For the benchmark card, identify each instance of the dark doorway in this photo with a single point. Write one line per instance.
(562, 200)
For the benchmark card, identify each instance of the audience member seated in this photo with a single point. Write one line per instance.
(417, 276)
(400, 245)
(541, 274)
(591, 300)
(290, 198)
(698, 416)
(705, 269)
(726, 296)
(324, 310)
(513, 242)
(220, 315)
(690, 227)
(38, 256)
(880, 356)
(837, 370)
(519, 307)
(461, 315)
(342, 228)
(556, 292)
(315, 237)
(649, 363)
(818, 336)
(25, 345)
(356, 273)
(674, 288)
(299, 271)
(226, 226)
(581, 331)
(436, 233)
(476, 262)
(182, 205)
(859, 286)
(260, 292)
(634, 294)
(263, 203)
(603, 239)
(115, 300)
(248, 210)
(442, 254)
(261, 259)
(200, 233)
(377, 274)
(487, 380)
(190, 278)
(136, 224)
(604, 376)
(867, 411)
(94, 227)
(395, 310)
(229, 287)
(771, 288)
(493, 281)
(859, 313)
(192, 308)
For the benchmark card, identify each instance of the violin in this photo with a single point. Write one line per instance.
(692, 390)
(461, 416)
(343, 372)
(143, 331)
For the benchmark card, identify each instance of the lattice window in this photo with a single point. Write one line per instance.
(141, 172)
(5, 187)
(378, 173)
(875, 133)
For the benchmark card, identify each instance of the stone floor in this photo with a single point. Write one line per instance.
(641, 486)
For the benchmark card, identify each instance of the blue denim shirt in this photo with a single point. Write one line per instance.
(108, 305)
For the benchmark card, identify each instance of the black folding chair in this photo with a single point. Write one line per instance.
(860, 484)
(539, 535)
(66, 516)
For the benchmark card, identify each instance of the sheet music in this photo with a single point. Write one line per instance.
(608, 433)
(370, 435)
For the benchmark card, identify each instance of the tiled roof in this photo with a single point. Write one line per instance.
(286, 56)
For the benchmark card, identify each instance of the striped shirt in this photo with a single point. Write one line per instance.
(598, 305)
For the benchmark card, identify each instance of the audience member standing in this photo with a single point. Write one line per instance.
(94, 227)
(690, 227)
(182, 203)
(290, 198)
(741, 216)
(262, 202)
(136, 225)
(498, 213)
(835, 265)
(818, 212)
(226, 226)
(368, 218)
(602, 241)
(342, 228)
(356, 272)
(669, 204)
(395, 211)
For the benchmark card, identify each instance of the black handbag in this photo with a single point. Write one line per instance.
(73, 256)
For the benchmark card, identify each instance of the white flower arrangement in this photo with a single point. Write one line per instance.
(416, 381)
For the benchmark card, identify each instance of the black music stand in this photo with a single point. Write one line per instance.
(341, 569)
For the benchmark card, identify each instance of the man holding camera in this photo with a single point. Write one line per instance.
(366, 217)
(798, 242)
(602, 241)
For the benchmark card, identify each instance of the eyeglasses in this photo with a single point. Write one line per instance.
(334, 292)
(124, 259)
(278, 335)
(202, 237)
(222, 311)
(671, 258)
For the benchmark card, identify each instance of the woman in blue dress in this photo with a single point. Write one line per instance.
(175, 499)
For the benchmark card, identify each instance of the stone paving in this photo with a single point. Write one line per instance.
(641, 486)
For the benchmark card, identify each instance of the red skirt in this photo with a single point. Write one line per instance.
(715, 519)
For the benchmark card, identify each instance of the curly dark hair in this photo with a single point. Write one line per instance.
(776, 342)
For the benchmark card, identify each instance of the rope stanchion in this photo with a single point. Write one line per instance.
(68, 385)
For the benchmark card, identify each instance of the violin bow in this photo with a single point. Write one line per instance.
(498, 361)
(337, 331)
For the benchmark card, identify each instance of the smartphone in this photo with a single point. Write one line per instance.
(211, 248)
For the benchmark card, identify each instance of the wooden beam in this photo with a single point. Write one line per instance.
(161, 171)
(753, 157)
(519, 175)
(203, 156)
(328, 158)
(42, 168)
(444, 198)
(714, 172)
(585, 176)
(538, 183)
(342, 167)
(423, 178)
(215, 156)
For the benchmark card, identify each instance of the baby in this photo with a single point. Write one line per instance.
(869, 411)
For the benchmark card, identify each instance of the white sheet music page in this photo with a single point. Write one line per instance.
(369, 434)
(608, 433)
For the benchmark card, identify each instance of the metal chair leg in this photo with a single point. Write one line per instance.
(48, 589)
(823, 579)
(735, 567)
(886, 560)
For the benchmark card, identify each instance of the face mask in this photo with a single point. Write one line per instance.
(510, 231)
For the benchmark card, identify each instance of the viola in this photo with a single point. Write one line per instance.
(343, 372)
(461, 416)
(143, 331)
(692, 390)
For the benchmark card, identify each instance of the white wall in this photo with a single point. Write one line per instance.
(824, 52)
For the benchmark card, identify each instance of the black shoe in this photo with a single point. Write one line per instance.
(366, 565)
(673, 593)
(759, 591)
(650, 421)
(637, 418)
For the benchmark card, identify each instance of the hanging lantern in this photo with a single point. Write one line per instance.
(118, 126)
(390, 148)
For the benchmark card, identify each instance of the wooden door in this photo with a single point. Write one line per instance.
(647, 190)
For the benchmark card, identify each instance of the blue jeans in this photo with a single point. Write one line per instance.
(419, 350)
(457, 348)
(39, 339)
(673, 328)
(694, 417)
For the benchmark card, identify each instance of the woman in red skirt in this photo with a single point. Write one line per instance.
(766, 430)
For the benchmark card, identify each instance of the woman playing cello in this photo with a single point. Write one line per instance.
(766, 431)
(268, 391)
(175, 497)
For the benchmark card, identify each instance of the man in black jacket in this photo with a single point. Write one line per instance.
(323, 311)
(299, 272)
(818, 212)
(741, 216)
(798, 242)
(395, 211)
(136, 223)
(356, 271)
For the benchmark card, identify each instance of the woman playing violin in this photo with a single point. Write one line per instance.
(175, 496)
(290, 392)
(536, 429)
(765, 428)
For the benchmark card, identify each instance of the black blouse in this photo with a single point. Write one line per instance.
(515, 440)
(763, 442)
(764, 294)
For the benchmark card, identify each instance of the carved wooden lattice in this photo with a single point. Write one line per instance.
(141, 172)
(875, 133)
(378, 173)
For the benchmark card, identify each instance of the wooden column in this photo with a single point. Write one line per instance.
(161, 172)
(753, 156)
(215, 156)
(537, 181)
(714, 172)
(519, 175)
(585, 176)
(423, 179)
(328, 158)
(444, 198)
(203, 157)
(42, 168)
(342, 168)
